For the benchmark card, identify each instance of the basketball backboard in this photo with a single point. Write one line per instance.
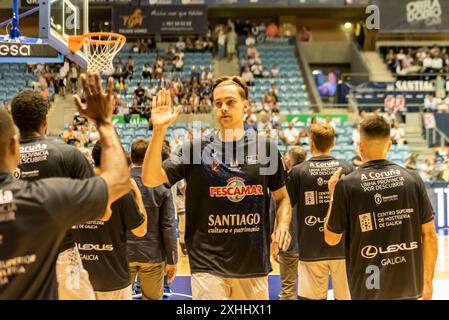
(60, 19)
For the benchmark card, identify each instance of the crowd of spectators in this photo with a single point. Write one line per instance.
(54, 79)
(193, 94)
(80, 133)
(434, 103)
(252, 67)
(436, 168)
(418, 60)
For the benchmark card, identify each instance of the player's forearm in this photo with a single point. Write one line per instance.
(331, 238)
(283, 213)
(430, 253)
(114, 168)
(328, 215)
(152, 172)
(141, 207)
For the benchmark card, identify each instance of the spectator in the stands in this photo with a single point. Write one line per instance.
(169, 55)
(250, 120)
(121, 86)
(195, 73)
(221, 42)
(257, 69)
(252, 53)
(274, 91)
(250, 40)
(73, 75)
(178, 64)
(117, 101)
(427, 63)
(411, 162)
(205, 104)
(404, 67)
(389, 115)
(247, 75)
(428, 169)
(446, 62)
(78, 121)
(445, 171)
(135, 47)
(440, 87)
(443, 105)
(118, 71)
(275, 73)
(400, 55)
(180, 45)
(397, 134)
(206, 75)
(135, 107)
(150, 92)
(69, 136)
(231, 43)
(44, 92)
(264, 126)
(94, 135)
(272, 30)
(139, 93)
(390, 59)
(430, 103)
(143, 46)
(306, 34)
(147, 71)
(290, 135)
(437, 64)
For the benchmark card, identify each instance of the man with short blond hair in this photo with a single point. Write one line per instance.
(310, 200)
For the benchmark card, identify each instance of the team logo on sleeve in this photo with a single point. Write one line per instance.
(378, 198)
(17, 174)
(236, 190)
(366, 223)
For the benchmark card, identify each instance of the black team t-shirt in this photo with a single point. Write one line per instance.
(44, 158)
(310, 198)
(33, 219)
(381, 207)
(102, 245)
(227, 202)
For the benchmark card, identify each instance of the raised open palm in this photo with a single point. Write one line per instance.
(162, 114)
(99, 105)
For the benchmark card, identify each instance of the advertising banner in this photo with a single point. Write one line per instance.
(439, 196)
(414, 15)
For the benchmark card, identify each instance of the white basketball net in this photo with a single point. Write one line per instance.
(100, 52)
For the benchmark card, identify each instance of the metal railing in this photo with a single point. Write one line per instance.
(436, 137)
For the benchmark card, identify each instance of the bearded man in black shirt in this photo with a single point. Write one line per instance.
(387, 218)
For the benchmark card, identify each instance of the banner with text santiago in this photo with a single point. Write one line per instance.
(414, 15)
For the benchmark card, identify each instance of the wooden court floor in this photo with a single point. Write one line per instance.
(441, 270)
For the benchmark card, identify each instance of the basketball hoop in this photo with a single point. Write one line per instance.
(99, 48)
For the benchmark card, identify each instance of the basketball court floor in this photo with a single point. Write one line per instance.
(182, 290)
